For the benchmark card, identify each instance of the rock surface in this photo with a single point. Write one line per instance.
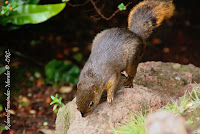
(164, 122)
(154, 85)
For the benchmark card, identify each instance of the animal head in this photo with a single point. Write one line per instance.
(87, 98)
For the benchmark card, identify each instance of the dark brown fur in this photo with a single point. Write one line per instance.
(148, 15)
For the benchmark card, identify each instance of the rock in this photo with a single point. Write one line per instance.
(47, 131)
(176, 66)
(194, 117)
(65, 89)
(65, 117)
(154, 85)
(105, 116)
(170, 79)
(164, 122)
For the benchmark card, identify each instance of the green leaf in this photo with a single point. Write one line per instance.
(37, 74)
(33, 1)
(62, 105)
(51, 68)
(2, 70)
(55, 101)
(33, 14)
(2, 128)
(1, 108)
(45, 123)
(57, 71)
(65, 0)
(25, 104)
(54, 64)
(60, 100)
(78, 57)
(6, 9)
(56, 76)
(52, 97)
(13, 27)
(25, 1)
(74, 71)
(55, 106)
(122, 7)
(56, 96)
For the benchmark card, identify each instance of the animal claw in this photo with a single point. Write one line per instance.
(109, 100)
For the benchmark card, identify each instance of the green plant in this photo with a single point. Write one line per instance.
(56, 101)
(20, 12)
(58, 71)
(65, 0)
(122, 7)
(9, 8)
(2, 128)
(178, 107)
(2, 70)
(188, 102)
(1, 108)
(134, 126)
(78, 57)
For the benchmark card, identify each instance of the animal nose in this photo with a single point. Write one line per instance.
(82, 114)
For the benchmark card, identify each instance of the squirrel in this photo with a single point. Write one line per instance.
(118, 49)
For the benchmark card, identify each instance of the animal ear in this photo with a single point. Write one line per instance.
(94, 88)
(79, 84)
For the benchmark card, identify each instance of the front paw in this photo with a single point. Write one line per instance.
(110, 99)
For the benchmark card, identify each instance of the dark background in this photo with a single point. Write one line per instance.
(77, 26)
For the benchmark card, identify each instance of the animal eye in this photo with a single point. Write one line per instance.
(91, 103)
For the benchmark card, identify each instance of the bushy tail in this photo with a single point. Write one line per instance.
(148, 15)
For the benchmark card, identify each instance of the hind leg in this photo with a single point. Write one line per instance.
(132, 64)
(131, 70)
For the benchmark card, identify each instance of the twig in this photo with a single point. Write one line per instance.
(92, 9)
(95, 18)
(104, 17)
(78, 5)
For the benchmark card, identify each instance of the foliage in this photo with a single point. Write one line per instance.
(6, 10)
(23, 12)
(65, 0)
(176, 107)
(2, 70)
(122, 7)
(188, 102)
(45, 123)
(56, 101)
(58, 71)
(1, 108)
(2, 128)
(134, 126)
(78, 57)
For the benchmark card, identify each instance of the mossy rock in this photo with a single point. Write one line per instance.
(167, 78)
(65, 117)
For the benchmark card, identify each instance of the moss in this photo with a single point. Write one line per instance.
(194, 118)
(167, 78)
(183, 68)
(65, 117)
